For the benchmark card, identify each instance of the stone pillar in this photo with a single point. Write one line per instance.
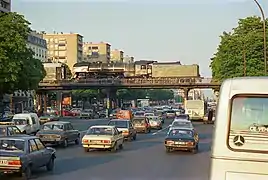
(59, 102)
(45, 101)
(185, 93)
(108, 102)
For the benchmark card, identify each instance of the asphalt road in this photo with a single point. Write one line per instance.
(143, 159)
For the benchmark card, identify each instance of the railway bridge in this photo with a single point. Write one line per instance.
(111, 85)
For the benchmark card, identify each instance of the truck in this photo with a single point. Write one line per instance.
(143, 102)
(196, 109)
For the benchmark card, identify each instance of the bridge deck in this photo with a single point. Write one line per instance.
(128, 83)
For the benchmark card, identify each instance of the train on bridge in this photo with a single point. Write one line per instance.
(138, 69)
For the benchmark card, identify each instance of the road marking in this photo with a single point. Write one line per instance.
(160, 130)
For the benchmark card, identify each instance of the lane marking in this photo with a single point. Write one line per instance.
(160, 130)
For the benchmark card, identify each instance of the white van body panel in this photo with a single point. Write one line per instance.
(31, 127)
(228, 164)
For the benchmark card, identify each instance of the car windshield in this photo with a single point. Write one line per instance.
(183, 124)
(12, 145)
(3, 131)
(139, 114)
(182, 116)
(20, 121)
(149, 114)
(138, 121)
(170, 111)
(56, 127)
(100, 131)
(180, 133)
(119, 124)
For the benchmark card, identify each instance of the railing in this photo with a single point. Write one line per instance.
(134, 81)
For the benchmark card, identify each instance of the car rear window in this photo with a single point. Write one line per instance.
(12, 145)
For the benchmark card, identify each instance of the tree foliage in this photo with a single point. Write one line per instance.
(18, 69)
(85, 94)
(239, 50)
(153, 94)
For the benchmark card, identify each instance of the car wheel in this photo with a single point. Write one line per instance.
(194, 151)
(121, 146)
(65, 143)
(168, 150)
(135, 137)
(129, 138)
(149, 131)
(77, 141)
(50, 164)
(146, 131)
(86, 150)
(114, 148)
(27, 173)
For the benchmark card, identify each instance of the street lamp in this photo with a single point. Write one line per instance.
(264, 36)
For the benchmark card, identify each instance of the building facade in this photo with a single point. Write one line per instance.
(128, 59)
(117, 56)
(5, 6)
(97, 52)
(64, 48)
(38, 46)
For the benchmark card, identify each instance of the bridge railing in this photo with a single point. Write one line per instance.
(133, 81)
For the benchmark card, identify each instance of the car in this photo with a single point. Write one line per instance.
(86, 113)
(170, 114)
(182, 139)
(48, 117)
(139, 114)
(58, 133)
(141, 124)
(155, 122)
(183, 116)
(160, 114)
(21, 154)
(9, 130)
(181, 123)
(103, 137)
(149, 114)
(126, 127)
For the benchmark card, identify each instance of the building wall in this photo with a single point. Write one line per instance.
(97, 52)
(5, 5)
(65, 48)
(38, 46)
(128, 59)
(117, 55)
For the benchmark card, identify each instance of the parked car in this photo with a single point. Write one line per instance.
(87, 114)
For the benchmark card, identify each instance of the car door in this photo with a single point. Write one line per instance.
(118, 136)
(72, 132)
(34, 154)
(45, 155)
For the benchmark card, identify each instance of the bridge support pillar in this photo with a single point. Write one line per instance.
(41, 103)
(59, 102)
(45, 102)
(186, 92)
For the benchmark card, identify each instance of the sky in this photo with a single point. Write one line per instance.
(162, 30)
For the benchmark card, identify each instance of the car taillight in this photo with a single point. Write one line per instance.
(14, 163)
(190, 143)
(169, 142)
(85, 141)
(106, 141)
(125, 132)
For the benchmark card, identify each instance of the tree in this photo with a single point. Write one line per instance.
(85, 94)
(18, 69)
(241, 51)
(160, 94)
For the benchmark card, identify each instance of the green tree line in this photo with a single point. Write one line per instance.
(19, 70)
(240, 52)
(126, 94)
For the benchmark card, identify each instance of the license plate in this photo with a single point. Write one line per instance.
(179, 143)
(3, 162)
(96, 141)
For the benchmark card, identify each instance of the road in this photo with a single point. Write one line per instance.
(144, 158)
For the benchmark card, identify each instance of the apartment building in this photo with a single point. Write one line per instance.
(128, 59)
(117, 55)
(38, 45)
(5, 6)
(97, 52)
(64, 48)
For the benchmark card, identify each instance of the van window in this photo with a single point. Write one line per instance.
(249, 124)
(33, 120)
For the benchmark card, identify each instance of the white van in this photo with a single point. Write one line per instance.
(28, 123)
(240, 144)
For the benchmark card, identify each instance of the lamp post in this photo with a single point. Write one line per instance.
(264, 36)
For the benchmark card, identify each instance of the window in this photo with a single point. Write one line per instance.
(95, 47)
(71, 127)
(116, 132)
(39, 144)
(249, 123)
(143, 67)
(33, 120)
(33, 146)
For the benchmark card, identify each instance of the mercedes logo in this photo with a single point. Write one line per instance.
(239, 140)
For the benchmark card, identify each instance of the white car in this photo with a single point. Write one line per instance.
(181, 123)
(103, 137)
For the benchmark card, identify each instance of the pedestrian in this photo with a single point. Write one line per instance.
(210, 115)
